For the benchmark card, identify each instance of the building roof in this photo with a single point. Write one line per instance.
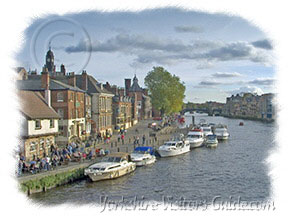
(135, 86)
(93, 85)
(35, 85)
(33, 106)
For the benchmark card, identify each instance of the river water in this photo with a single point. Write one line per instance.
(236, 168)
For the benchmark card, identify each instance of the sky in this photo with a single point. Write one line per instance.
(215, 55)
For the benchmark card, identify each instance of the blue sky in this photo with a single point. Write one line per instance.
(215, 55)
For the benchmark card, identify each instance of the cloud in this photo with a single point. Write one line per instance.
(263, 81)
(209, 83)
(246, 89)
(132, 43)
(226, 74)
(189, 29)
(150, 50)
(264, 44)
(235, 51)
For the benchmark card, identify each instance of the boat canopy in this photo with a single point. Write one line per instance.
(144, 149)
(212, 136)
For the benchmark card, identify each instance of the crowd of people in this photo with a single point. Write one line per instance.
(76, 152)
(73, 152)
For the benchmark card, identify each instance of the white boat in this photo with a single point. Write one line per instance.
(221, 132)
(211, 141)
(173, 148)
(195, 138)
(207, 130)
(143, 156)
(112, 166)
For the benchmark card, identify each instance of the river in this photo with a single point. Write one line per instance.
(236, 168)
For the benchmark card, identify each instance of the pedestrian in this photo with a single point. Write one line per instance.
(135, 142)
(119, 137)
(143, 139)
(137, 139)
(122, 138)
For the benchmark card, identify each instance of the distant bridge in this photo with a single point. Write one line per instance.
(211, 112)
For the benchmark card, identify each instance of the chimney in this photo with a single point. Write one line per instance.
(127, 85)
(72, 79)
(45, 79)
(84, 81)
(45, 83)
(62, 69)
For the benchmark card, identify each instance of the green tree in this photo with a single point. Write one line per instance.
(166, 90)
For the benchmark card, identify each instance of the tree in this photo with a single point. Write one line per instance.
(166, 90)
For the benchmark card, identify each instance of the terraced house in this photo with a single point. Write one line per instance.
(40, 125)
(67, 100)
(101, 103)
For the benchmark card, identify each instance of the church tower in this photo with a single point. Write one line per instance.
(50, 61)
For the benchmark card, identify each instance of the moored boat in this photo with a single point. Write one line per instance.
(211, 141)
(143, 155)
(173, 148)
(195, 138)
(207, 130)
(221, 132)
(112, 166)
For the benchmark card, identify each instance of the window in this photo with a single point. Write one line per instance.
(37, 124)
(61, 129)
(49, 142)
(33, 146)
(51, 123)
(61, 112)
(60, 97)
(139, 104)
(42, 144)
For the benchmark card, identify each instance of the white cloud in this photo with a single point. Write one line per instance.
(247, 89)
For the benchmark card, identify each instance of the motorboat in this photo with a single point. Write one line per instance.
(207, 130)
(195, 138)
(173, 148)
(211, 141)
(143, 155)
(221, 132)
(111, 166)
(241, 124)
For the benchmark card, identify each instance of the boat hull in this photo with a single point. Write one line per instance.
(170, 153)
(196, 144)
(145, 161)
(212, 145)
(222, 137)
(99, 176)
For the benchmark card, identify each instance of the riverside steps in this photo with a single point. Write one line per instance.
(74, 171)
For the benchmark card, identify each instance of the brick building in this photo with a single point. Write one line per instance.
(67, 100)
(142, 108)
(101, 103)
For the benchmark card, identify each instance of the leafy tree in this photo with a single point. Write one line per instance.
(166, 90)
